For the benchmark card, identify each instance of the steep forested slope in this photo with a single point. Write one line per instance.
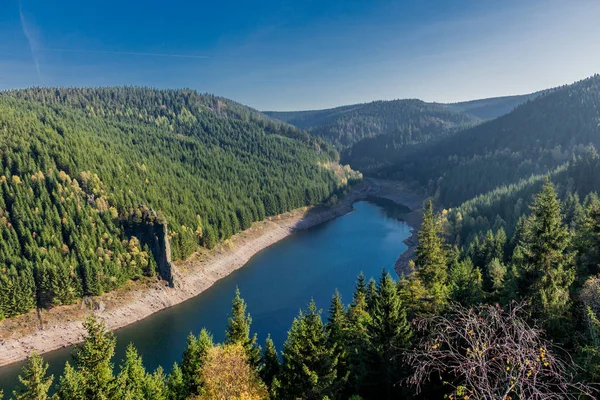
(410, 121)
(533, 139)
(77, 163)
(494, 107)
(372, 135)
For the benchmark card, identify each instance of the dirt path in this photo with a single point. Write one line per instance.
(62, 326)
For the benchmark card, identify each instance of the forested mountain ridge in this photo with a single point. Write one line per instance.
(414, 120)
(79, 163)
(493, 107)
(535, 138)
(371, 135)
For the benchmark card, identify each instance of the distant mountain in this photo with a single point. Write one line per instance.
(410, 121)
(370, 135)
(535, 138)
(486, 109)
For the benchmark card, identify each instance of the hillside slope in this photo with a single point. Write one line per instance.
(411, 121)
(494, 107)
(535, 138)
(79, 166)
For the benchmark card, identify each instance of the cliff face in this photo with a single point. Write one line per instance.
(154, 233)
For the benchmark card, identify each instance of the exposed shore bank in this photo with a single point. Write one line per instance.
(62, 326)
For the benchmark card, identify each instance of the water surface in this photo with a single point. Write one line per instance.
(275, 283)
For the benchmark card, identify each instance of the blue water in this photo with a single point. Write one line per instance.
(275, 283)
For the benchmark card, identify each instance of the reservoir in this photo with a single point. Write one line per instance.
(276, 283)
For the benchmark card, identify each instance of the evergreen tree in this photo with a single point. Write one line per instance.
(547, 269)
(358, 341)
(176, 389)
(496, 272)
(133, 382)
(309, 364)
(337, 339)
(35, 384)
(94, 370)
(465, 282)
(193, 360)
(430, 262)
(389, 332)
(371, 295)
(238, 329)
(71, 385)
(270, 364)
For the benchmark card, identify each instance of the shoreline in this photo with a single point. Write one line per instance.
(61, 327)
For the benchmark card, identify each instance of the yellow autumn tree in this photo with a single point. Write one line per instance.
(227, 375)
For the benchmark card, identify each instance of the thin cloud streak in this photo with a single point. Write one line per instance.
(124, 53)
(30, 41)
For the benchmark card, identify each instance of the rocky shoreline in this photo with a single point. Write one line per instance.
(60, 327)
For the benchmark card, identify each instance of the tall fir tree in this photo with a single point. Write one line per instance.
(430, 261)
(35, 384)
(309, 364)
(270, 363)
(546, 261)
(93, 361)
(337, 338)
(238, 329)
(193, 359)
(389, 332)
(358, 340)
(176, 389)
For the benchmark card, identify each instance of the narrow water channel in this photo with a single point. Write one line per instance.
(275, 283)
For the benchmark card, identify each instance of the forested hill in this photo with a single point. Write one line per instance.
(494, 107)
(80, 164)
(411, 121)
(535, 138)
(371, 135)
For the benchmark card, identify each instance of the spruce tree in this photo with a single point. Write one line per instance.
(193, 360)
(309, 364)
(93, 361)
(270, 364)
(337, 339)
(34, 382)
(176, 389)
(238, 329)
(430, 261)
(371, 294)
(358, 340)
(465, 282)
(389, 332)
(71, 385)
(547, 268)
(132, 380)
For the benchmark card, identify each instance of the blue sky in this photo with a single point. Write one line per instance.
(303, 54)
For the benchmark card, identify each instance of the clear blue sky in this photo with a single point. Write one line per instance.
(303, 54)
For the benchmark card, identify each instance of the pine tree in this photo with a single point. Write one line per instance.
(193, 360)
(358, 340)
(389, 332)
(156, 386)
(176, 389)
(71, 385)
(238, 329)
(371, 295)
(270, 364)
(132, 380)
(35, 384)
(93, 361)
(430, 262)
(309, 364)
(465, 282)
(337, 329)
(547, 269)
